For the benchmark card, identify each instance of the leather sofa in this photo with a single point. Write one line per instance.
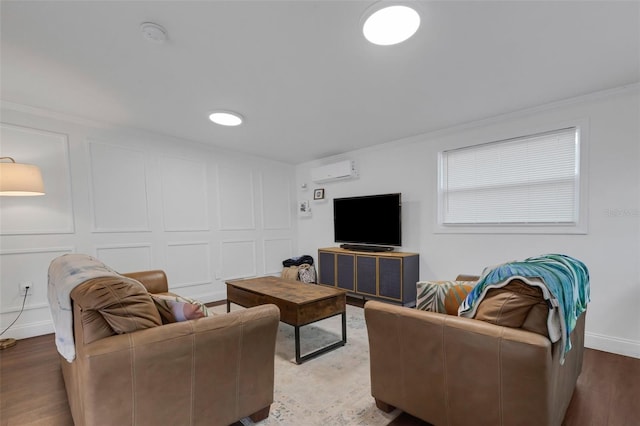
(450, 370)
(209, 371)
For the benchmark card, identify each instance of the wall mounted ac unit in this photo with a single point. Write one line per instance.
(341, 170)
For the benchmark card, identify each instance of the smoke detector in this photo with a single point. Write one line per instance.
(153, 32)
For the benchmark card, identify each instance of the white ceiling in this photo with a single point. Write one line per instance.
(301, 73)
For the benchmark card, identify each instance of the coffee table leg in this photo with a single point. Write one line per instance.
(228, 306)
(344, 327)
(336, 345)
(297, 332)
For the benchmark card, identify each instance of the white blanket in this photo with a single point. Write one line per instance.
(65, 273)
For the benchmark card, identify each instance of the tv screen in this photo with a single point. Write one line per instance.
(371, 219)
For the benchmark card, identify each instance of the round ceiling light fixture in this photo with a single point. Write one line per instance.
(390, 25)
(226, 118)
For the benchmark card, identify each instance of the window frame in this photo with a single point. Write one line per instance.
(580, 226)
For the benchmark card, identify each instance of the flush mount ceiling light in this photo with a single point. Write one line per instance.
(153, 32)
(390, 25)
(226, 118)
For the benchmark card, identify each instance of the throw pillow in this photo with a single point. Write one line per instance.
(174, 308)
(123, 302)
(442, 296)
(510, 306)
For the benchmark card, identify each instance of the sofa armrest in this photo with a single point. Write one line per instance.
(154, 281)
(446, 369)
(218, 368)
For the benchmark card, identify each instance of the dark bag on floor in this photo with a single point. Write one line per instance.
(297, 261)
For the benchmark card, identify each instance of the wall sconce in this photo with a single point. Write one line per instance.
(20, 179)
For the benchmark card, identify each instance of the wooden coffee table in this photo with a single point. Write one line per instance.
(300, 304)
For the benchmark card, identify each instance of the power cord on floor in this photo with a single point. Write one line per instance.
(7, 343)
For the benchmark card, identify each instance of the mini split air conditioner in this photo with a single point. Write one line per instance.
(341, 170)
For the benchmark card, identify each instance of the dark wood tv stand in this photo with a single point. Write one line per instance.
(388, 276)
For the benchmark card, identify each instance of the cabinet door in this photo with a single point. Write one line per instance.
(346, 271)
(366, 275)
(390, 278)
(327, 268)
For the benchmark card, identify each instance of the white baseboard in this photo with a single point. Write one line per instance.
(599, 342)
(33, 329)
(215, 296)
(614, 345)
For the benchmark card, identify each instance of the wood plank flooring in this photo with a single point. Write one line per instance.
(32, 390)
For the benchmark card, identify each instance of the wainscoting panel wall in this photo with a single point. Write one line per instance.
(126, 257)
(276, 201)
(275, 251)
(119, 189)
(188, 263)
(26, 265)
(136, 200)
(236, 198)
(238, 259)
(51, 213)
(184, 194)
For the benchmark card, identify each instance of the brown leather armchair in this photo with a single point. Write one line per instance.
(210, 371)
(449, 370)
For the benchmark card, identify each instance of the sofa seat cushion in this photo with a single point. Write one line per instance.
(516, 305)
(442, 296)
(123, 303)
(174, 308)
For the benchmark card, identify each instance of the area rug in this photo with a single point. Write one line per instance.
(331, 389)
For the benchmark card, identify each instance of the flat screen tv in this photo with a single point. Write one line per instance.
(370, 222)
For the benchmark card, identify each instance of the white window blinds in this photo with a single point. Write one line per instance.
(527, 180)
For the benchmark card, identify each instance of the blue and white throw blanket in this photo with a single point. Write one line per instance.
(564, 282)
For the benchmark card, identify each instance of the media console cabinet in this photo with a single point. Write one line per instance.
(389, 276)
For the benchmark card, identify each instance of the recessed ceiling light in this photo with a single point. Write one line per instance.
(391, 25)
(226, 118)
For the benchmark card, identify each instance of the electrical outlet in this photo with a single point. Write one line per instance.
(24, 286)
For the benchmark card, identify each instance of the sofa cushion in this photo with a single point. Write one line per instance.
(516, 305)
(442, 296)
(122, 302)
(174, 308)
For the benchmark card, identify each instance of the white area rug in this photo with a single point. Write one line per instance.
(331, 389)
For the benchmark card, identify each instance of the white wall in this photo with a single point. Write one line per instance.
(610, 249)
(136, 200)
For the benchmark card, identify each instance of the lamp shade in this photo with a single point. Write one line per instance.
(20, 179)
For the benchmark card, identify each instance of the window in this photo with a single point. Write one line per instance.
(527, 181)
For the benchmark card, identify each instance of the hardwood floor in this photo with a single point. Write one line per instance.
(31, 387)
(32, 390)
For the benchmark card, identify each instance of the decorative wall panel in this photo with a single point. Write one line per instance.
(184, 195)
(188, 263)
(118, 189)
(238, 259)
(276, 201)
(51, 213)
(126, 257)
(235, 198)
(27, 265)
(275, 251)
